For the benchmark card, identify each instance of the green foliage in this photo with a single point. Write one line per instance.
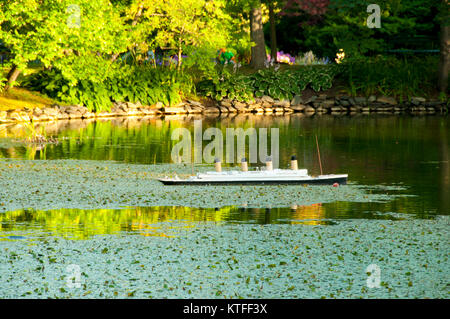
(407, 24)
(146, 85)
(58, 32)
(276, 84)
(390, 76)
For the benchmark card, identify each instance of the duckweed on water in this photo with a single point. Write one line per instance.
(100, 184)
(233, 261)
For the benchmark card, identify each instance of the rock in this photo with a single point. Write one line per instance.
(267, 99)
(50, 111)
(344, 103)
(174, 110)
(75, 115)
(255, 106)
(283, 103)
(266, 105)
(327, 103)
(321, 110)
(159, 106)
(37, 111)
(195, 103)
(41, 117)
(298, 108)
(240, 106)
(131, 105)
(225, 103)
(322, 97)
(63, 116)
(231, 109)
(259, 110)
(372, 98)
(82, 109)
(223, 109)
(417, 100)
(3, 115)
(360, 100)
(311, 99)
(73, 109)
(297, 100)
(14, 116)
(279, 109)
(387, 100)
(88, 115)
(211, 110)
(310, 109)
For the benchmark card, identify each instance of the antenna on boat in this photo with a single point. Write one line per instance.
(318, 153)
(192, 165)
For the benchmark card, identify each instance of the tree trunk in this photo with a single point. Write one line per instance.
(12, 77)
(257, 33)
(444, 65)
(273, 32)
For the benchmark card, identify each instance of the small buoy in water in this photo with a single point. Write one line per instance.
(335, 184)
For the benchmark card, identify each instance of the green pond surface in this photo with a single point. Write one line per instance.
(90, 205)
(400, 155)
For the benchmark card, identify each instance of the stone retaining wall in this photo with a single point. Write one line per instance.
(321, 104)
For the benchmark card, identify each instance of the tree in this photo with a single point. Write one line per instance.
(273, 31)
(257, 35)
(444, 65)
(54, 32)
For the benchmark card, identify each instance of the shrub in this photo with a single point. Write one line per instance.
(390, 76)
(148, 85)
(277, 84)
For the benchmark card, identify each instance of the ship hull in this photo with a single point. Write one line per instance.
(320, 180)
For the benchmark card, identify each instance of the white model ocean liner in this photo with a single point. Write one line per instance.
(264, 176)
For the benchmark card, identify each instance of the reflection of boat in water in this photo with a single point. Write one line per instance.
(259, 177)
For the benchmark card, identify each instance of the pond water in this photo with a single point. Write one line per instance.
(401, 155)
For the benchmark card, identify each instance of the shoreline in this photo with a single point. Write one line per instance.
(316, 104)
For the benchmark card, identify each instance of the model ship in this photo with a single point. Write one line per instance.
(264, 176)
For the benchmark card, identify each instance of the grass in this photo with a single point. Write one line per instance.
(19, 98)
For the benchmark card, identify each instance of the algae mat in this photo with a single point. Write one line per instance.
(101, 184)
(210, 260)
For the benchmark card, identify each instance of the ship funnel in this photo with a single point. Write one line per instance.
(244, 165)
(218, 165)
(269, 166)
(294, 165)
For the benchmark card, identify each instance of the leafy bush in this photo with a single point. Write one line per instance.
(390, 76)
(148, 85)
(277, 84)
